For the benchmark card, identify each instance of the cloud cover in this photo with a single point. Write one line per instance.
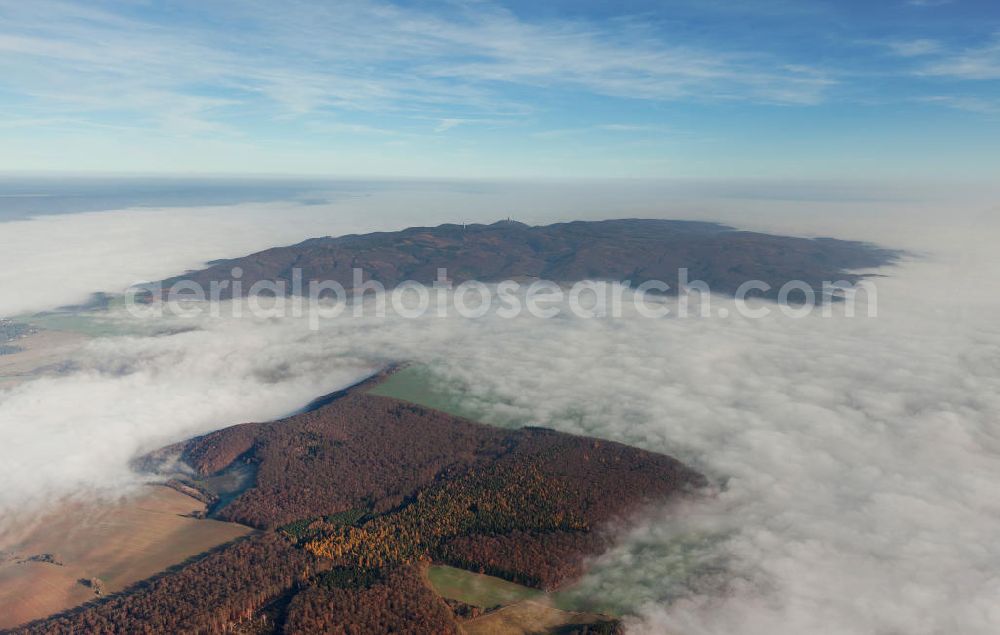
(308, 57)
(376, 87)
(856, 458)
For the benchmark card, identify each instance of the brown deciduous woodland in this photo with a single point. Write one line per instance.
(354, 499)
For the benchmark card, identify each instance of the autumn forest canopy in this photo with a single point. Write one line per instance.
(354, 499)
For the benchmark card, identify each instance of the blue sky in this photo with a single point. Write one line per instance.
(886, 89)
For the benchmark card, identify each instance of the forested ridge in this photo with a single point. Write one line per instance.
(632, 249)
(355, 498)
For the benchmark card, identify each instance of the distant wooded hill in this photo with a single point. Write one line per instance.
(636, 250)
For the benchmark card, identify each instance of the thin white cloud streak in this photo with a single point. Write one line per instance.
(914, 48)
(974, 63)
(966, 103)
(620, 128)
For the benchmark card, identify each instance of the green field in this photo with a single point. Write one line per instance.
(97, 322)
(102, 316)
(477, 589)
(90, 324)
(420, 385)
(486, 591)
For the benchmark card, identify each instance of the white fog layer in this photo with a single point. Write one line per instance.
(855, 459)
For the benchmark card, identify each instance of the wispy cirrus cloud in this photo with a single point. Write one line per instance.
(913, 48)
(617, 128)
(974, 63)
(966, 103)
(308, 58)
(244, 85)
